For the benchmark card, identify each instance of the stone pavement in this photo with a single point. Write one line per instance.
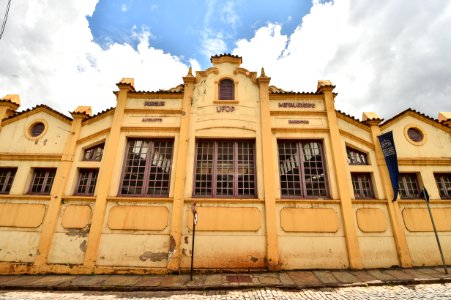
(293, 280)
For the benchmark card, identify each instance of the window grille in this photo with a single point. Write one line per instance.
(302, 169)
(444, 185)
(147, 168)
(87, 180)
(226, 89)
(408, 186)
(361, 183)
(225, 169)
(42, 181)
(6, 179)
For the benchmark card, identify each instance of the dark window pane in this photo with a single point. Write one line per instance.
(361, 183)
(42, 181)
(408, 186)
(226, 90)
(147, 167)
(6, 179)
(444, 185)
(225, 169)
(94, 153)
(301, 168)
(36, 129)
(87, 181)
(356, 157)
(414, 134)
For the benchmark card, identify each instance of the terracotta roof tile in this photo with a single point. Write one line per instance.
(349, 116)
(100, 113)
(36, 107)
(225, 54)
(407, 111)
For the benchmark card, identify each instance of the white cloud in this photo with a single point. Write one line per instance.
(384, 56)
(124, 7)
(45, 60)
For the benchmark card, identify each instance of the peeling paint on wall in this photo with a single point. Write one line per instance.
(158, 256)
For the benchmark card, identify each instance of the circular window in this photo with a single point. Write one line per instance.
(37, 129)
(414, 134)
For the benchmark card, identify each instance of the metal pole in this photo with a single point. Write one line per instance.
(192, 246)
(436, 237)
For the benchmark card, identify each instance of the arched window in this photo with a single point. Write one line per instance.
(226, 90)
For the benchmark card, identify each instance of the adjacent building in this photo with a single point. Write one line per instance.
(279, 180)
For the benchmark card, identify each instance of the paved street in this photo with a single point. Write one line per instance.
(421, 291)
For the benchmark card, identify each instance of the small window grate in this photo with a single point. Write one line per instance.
(226, 90)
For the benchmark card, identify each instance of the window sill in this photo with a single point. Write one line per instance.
(25, 197)
(225, 200)
(139, 199)
(226, 101)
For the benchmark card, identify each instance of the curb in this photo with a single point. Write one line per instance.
(222, 287)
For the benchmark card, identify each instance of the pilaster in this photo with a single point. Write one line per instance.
(348, 215)
(105, 173)
(56, 194)
(393, 208)
(180, 176)
(272, 245)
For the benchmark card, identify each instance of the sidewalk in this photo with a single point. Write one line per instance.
(281, 280)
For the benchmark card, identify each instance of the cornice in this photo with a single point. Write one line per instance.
(415, 114)
(155, 95)
(30, 156)
(251, 75)
(357, 139)
(153, 111)
(207, 72)
(93, 136)
(424, 161)
(352, 120)
(295, 96)
(37, 109)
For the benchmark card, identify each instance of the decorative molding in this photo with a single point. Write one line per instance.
(300, 113)
(207, 72)
(424, 161)
(147, 129)
(357, 139)
(30, 156)
(300, 129)
(153, 111)
(93, 136)
(353, 121)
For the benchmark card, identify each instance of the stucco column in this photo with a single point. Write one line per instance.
(272, 245)
(175, 237)
(109, 159)
(56, 194)
(340, 166)
(393, 209)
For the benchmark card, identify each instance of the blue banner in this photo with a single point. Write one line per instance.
(391, 159)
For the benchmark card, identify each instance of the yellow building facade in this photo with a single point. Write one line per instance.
(281, 180)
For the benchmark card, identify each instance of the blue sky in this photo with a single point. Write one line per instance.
(384, 56)
(182, 27)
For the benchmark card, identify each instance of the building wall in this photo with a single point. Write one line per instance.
(108, 232)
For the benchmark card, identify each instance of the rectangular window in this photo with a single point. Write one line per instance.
(225, 169)
(356, 157)
(6, 179)
(302, 169)
(408, 186)
(147, 167)
(444, 185)
(87, 180)
(42, 181)
(361, 183)
(94, 153)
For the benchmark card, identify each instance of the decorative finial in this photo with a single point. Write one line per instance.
(263, 72)
(190, 71)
